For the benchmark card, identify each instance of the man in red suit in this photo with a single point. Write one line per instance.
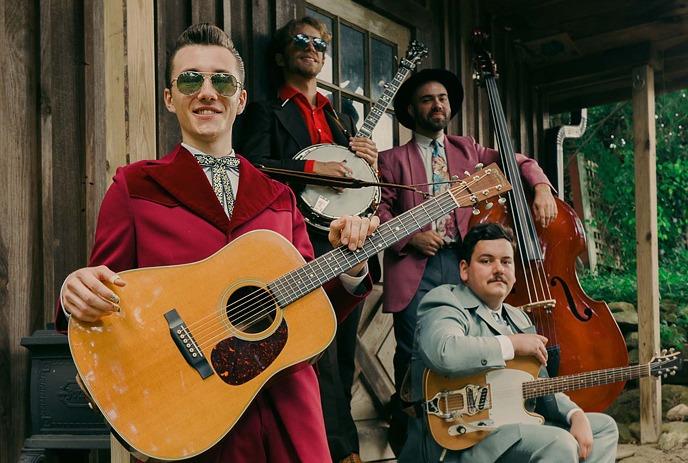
(425, 103)
(189, 204)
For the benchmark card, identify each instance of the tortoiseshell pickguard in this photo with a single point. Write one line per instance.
(237, 361)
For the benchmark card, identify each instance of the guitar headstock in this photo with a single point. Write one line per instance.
(416, 51)
(483, 64)
(665, 364)
(485, 183)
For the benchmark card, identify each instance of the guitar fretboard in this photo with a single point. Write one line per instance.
(383, 102)
(544, 386)
(314, 274)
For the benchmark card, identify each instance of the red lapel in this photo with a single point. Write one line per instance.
(178, 170)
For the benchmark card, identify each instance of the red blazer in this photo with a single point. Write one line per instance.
(164, 212)
(403, 266)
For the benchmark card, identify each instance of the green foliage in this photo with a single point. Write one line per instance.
(673, 290)
(608, 142)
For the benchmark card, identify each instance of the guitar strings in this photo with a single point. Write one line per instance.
(533, 270)
(249, 305)
(251, 308)
(261, 296)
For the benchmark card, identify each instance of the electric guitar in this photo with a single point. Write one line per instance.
(463, 411)
(193, 344)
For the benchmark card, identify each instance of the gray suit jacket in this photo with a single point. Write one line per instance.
(455, 336)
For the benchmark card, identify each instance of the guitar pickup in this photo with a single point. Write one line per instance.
(187, 344)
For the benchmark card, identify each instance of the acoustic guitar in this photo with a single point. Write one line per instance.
(462, 411)
(193, 344)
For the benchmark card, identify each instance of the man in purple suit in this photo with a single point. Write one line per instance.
(425, 103)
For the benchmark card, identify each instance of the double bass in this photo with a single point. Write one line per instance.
(582, 334)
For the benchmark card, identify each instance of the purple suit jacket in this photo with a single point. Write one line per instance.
(403, 265)
(164, 212)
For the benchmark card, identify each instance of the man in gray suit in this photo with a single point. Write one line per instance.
(466, 329)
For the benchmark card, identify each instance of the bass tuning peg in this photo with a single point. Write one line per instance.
(476, 211)
(489, 205)
(479, 166)
(502, 200)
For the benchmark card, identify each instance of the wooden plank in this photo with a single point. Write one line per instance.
(645, 158)
(171, 17)
(469, 113)
(95, 159)
(46, 130)
(20, 242)
(140, 40)
(115, 67)
(205, 11)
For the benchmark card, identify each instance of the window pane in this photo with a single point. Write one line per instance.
(355, 109)
(328, 94)
(327, 70)
(383, 134)
(351, 52)
(382, 66)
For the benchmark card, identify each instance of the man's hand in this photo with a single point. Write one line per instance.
(544, 206)
(427, 242)
(582, 432)
(334, 168)
(351, 231)
(86, 298)
(364, 148)
(530, 344)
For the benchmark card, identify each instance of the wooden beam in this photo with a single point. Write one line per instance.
(647, 247)
(140, 43)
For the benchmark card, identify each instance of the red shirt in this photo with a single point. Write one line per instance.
(314, 116)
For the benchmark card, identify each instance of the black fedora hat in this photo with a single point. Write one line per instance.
(444, 77)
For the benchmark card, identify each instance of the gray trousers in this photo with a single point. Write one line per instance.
(547, 443)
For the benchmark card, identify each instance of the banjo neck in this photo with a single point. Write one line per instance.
(416, 51)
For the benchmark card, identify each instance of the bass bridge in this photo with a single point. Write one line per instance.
(451, 405)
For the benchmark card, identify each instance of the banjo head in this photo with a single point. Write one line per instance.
(326, 203)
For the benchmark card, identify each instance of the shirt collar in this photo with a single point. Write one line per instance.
(287, 92)
(422, 140)
(193, 150)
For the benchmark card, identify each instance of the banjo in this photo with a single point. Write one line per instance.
(322, 204)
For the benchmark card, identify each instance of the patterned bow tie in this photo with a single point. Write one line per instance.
(219, 169)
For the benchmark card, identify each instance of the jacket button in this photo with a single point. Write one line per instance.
(483, 362)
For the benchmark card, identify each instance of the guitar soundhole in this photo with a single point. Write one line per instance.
(251, 309)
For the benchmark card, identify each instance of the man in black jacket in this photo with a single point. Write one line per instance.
(273, 133)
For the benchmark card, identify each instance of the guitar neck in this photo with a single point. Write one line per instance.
(314, 274)
(545, 386)
(383, 102)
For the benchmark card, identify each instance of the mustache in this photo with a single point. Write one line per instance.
(496, 279)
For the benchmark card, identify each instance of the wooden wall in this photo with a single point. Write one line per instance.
(81, 95)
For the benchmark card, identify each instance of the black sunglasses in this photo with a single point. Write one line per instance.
(301, 41)
(189, 82)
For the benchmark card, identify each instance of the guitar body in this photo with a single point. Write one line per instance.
(139, 379)
(502, 408)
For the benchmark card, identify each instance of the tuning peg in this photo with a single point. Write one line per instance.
(502, 200)
(454, 178)
(664, 351)
(672, 372)
(479, 166)
(476, 211)
(466, 173)
(489, 205)
(672, 350)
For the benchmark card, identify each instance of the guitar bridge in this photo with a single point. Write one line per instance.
(450, 405)
(187, 344)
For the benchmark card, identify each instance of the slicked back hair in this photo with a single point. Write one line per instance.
(484, 231)
(204, 34)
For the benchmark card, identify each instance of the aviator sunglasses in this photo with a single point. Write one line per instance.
(189, 82)
(301, 42)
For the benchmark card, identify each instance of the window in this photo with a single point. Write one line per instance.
(359, 62)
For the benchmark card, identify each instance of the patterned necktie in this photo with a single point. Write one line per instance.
(501, 320)
(219, 170)
(446, 226)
